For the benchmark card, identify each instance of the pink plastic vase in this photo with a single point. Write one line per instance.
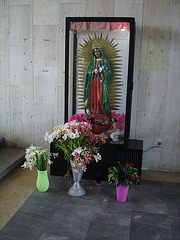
(121, 193)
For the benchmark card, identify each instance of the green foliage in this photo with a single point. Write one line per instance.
(124, 175)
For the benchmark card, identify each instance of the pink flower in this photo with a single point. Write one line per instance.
(84, 168)
(76, 156)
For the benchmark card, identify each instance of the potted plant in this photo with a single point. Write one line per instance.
(124, 177)
(79, 145)
(40, 158)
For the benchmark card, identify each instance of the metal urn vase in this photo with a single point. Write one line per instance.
(76, 190)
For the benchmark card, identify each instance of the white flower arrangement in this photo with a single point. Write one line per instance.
(38, 157)
(65, 131)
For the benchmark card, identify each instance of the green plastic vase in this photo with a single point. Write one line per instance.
(42, 183)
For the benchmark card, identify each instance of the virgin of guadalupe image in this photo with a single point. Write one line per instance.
(96, 86)
(99, 82)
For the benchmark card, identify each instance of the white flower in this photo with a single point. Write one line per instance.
(97, 157)
(24, 165)
(49, 161)
(65, 136)
(35, 156)
(77, 134)
(77, 150)
(54, 155)
(49, 137)
(46, 136)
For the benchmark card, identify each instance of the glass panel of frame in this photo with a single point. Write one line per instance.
(99, 73)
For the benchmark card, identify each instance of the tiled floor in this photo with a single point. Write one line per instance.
(152, 211)
(15, 189)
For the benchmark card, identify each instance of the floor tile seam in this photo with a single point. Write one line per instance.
(111, 224)
(40, 228)
(29, 205)
(9, 235)
(52, 197)
(136, 221)
(20, 220)
(150, 224)
(66, 227)
(120, 234)
(6, 227)
(176, 217)
(91, 221)
(73, 216)
(115, 224)
(145, 212)
(39, 214)
(116, 214)
(16, 228)
(15, 219)
(140, 236)
(2, 235)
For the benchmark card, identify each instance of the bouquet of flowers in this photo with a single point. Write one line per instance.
(77, 142)
(38, 157)
(124, 175)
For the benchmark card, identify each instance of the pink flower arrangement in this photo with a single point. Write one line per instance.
(120, 120)
(82, 157)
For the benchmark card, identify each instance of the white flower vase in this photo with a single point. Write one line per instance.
(76, 190)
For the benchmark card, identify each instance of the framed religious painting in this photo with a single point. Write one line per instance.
(99, 59)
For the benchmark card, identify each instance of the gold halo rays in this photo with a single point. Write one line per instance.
(85, 54)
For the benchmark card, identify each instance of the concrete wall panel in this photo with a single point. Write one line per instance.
(100, 8)
(133, 9)
(45, 46)
(21, 115)
(171, 124)
(156, 34)
(20, 25)
(65, 10)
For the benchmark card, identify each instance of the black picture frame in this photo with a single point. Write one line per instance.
(130, 69)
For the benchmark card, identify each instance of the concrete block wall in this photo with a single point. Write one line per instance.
(32, 53)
